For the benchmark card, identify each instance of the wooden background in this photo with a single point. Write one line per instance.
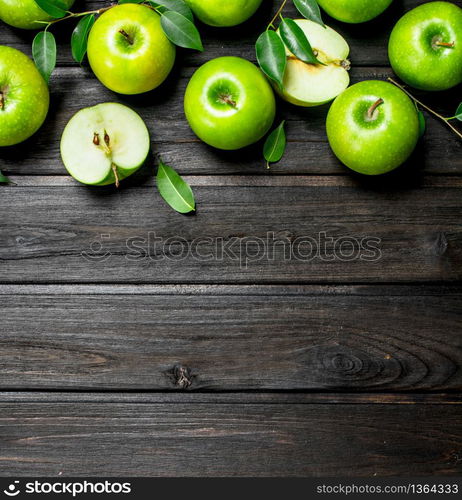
(157, 367)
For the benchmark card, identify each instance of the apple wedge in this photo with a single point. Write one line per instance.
(104, 144)
(315, 84)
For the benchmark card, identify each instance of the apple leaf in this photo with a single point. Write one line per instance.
(459, 113)
(275, 145)
(54, 8)
(44, 53)
(309, 9)
(271, 56)
(79, 37)
(181, 31)
(174, 5)
(422, 123)
(174, 190)
(297, 42)
(4, 179)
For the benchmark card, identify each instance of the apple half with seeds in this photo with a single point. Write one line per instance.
(104, 144)
(316, 84)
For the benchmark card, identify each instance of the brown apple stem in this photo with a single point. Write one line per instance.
(127, 36)
(281, 8)
(2, 100)
(445, 44)
(371, 110)
(228, 100)
(116, 175)
(70, 15)
(434, 113)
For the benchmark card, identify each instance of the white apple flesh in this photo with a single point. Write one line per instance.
(104, 144)
(316, 84)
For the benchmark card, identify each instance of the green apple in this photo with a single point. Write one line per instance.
(26, 14)
(354, 11)
(128, 50)
(425, 47)
(373, 127)
(229, 103)
(315, 84)
(223, 13)
(24, 97)
(104, 144)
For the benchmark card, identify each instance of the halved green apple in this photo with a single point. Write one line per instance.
(104, 144)
(315, 84)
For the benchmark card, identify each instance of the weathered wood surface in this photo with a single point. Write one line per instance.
(395, 233)
(231, 338)
(172, 139)
(46, 436)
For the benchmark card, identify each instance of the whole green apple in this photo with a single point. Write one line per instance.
(229, 103)
(104, 144)
(425, 47)
(25, 13)
(223, 13)
(24, 97)
(354, 11)
(373, 127)
(128, 50)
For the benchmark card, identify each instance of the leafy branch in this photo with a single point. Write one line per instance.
(457, 116)
(177, 22)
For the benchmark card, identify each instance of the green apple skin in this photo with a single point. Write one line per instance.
(134, 65)
(376, 145)
(413, 51)
(229, 103)
(354, 11)
(224, 13)
(25, 14)
(24, 97)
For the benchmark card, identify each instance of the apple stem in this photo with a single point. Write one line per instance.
(371, 110)
(434, 113)
(228, 100)
(127, 36)
(2, 100)
(445, 44)
(116, 175)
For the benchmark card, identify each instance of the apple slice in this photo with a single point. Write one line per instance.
(104, 144)
(315, 84)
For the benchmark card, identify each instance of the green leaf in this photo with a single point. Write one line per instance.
(174, 5)
(422, 123)
(296, 41)
(275, 145)
(181, 31)
(271, 56)
(458, 115)
(174, 190)
(54, 8)
(44, 53)
(309, 9)
(79, 37)
(4, 179)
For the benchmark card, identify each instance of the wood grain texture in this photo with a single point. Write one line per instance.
(231, 338)
(252, 439)
(248, 230)
(172, 139)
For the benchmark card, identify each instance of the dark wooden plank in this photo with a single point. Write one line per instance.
(231, 338)
(250, 439)
(308, 151)
(52, 228)
(368, 42)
